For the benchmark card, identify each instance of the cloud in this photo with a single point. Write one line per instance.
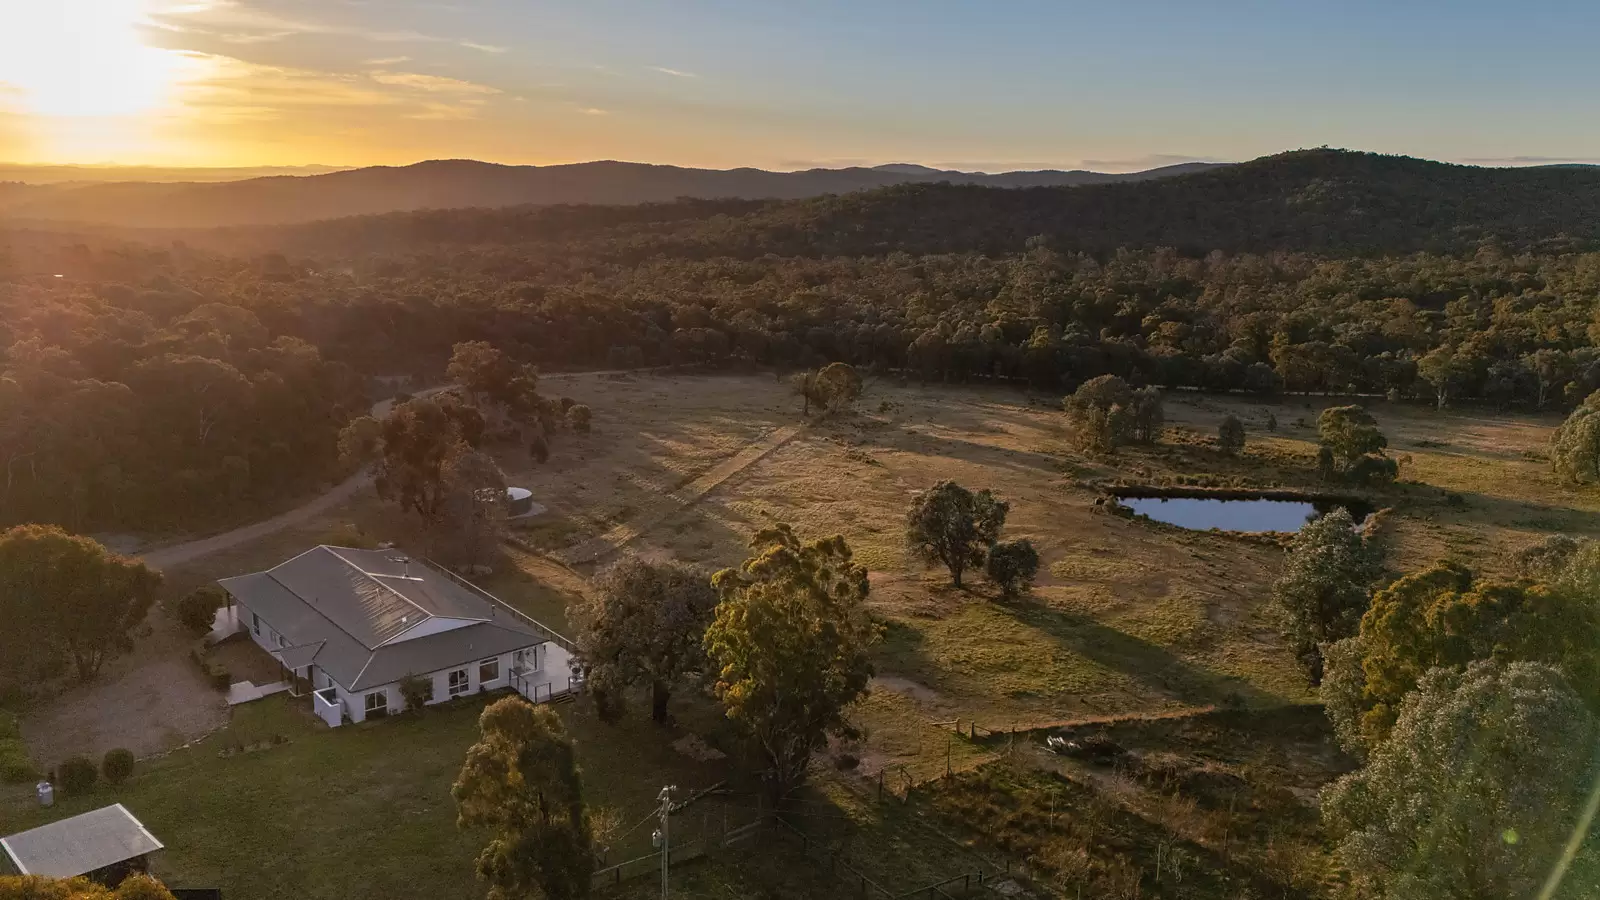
(433, 84)
(675, 73)
(235, 91)
(386, 61)
(237, 22)
(593, 111)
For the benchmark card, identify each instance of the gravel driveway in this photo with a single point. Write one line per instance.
(151, 700)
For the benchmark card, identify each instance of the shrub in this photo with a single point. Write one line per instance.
(117, 766)
(15, 766)
(197, 609)
(416, 691)
(539, 449)
(1230, 435)
(578, 418)
(1374, 469)
(78, 775)
(1012, 565)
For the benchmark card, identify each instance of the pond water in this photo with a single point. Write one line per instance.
(1205, 513)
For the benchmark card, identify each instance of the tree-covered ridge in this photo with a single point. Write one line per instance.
(156, 403)
(1322, 201)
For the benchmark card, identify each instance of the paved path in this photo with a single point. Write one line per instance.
(667, 505)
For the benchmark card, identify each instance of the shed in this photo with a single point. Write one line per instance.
(106, 844)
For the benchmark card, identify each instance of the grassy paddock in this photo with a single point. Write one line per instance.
(362, 811)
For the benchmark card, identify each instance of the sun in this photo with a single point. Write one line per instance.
(81, 82)
(84, 59)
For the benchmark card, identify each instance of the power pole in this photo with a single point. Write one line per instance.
(663, 835)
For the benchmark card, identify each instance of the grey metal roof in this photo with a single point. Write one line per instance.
(81, 844)
(376, 619)
(300, 656)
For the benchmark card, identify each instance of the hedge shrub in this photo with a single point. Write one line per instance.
(78, 775)
(117, 766)
(197, 610)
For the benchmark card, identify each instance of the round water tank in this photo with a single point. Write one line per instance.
(518, 501)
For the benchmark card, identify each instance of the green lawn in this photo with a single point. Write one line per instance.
(353, 812)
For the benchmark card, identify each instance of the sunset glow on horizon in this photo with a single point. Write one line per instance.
(949, 83)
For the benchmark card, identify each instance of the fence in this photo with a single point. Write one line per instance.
(680, 853)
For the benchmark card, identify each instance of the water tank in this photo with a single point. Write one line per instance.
(47, 794)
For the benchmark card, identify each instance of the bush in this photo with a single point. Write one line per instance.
(539, 449)
(1374, 469)
(78, 775)
(578, 418)
(1012, 565)
(417, 691)
(197, 610)
(219, 675)
(15, 765)
(117, 766)
(1230, 435)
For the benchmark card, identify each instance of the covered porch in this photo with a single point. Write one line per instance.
(544, 673)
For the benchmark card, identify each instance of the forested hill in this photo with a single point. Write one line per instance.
(1328, 202)
(143, 380)
(449, 184)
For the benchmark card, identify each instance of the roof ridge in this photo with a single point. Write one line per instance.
(311, 603)
(375, 580)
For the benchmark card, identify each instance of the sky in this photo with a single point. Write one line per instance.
(1116, 85)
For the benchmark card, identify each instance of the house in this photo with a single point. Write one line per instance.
(105, 845)
(350, 626)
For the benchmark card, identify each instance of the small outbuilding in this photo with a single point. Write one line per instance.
(105, 845)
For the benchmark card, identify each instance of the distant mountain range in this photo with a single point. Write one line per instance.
(452, 184)
(28, 173)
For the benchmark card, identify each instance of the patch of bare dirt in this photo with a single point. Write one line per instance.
(149, 701)
(920, 693)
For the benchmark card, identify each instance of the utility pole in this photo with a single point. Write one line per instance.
(663, 836)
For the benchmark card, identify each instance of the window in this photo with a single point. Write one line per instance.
(489, 670)
(256, 623)
(458, 682)
(281, 641)
(377, 704)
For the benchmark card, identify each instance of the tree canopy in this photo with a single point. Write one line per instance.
(520, 783)
(1476, 791)
(789, 647)
(1445, 617)
(65, 594)
(1575, 446)
(1326, 585)
(952, 526)
(1349, 432)
(644, 623)
(1106, 411)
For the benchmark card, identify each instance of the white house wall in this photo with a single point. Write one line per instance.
(356, 703)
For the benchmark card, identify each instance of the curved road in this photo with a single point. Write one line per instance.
(189, 551)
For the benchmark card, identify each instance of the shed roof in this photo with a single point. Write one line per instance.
(81, 844)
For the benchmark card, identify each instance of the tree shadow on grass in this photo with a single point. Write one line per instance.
(1150, 663)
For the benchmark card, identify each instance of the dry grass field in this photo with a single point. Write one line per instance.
(1129, 622)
